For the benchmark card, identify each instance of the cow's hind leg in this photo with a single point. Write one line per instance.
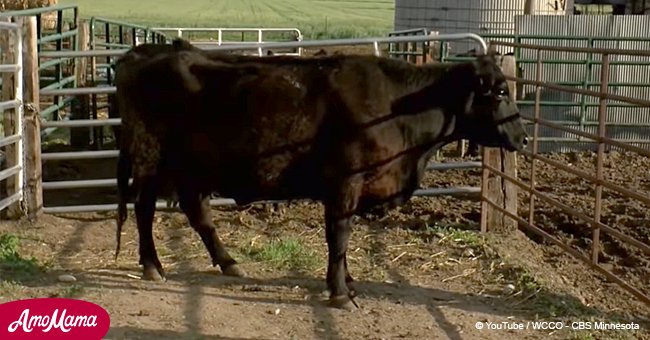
(197, 210)
(337, 233)
(145, 208)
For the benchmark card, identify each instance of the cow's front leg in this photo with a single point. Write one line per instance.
(145, 208)
(339, 210)
(197, 210)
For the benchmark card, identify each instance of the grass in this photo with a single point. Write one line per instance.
(15, 268)
(316, 19)
(283, 254)
(12, 264)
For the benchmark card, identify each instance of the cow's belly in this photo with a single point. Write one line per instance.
(389, 186)
(283, 176)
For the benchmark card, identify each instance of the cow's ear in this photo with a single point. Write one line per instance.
(192, 68)
(181, 44)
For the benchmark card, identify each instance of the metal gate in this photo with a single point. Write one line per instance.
(11, 108)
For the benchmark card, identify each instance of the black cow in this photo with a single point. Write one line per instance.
(352, 132)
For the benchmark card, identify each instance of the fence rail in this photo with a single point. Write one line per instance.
(596, 179)
(222, 33)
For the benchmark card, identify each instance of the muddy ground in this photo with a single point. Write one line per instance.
(422, 271)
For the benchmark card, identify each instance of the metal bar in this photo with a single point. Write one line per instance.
(57, 36)
(54, 107)
(78, 91)
(225, 29)
(538, 96)
(46, 64)
(113, 45)
(9, 104)
(569, 104)
(594, 179)
(360, 41)
(583, 98)
(11, 200)
(8, 68)
(644, 53)
(82, 123)
(293, 44)
(79, 155)
(213, 202)
(485, 173)
(569, 210)
(431, 192)
(10, 140)
(81, 184)
(124, 24)
(632, 290)
(35, 11)
(6, 173)
(622, 145)
(576, 140)
(610, 96)
(7, 25)
(602, 116)
(450, 166)
(160, 205)
(59, 83)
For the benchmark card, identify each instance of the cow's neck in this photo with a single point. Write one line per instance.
(412, 78)
(429, 112)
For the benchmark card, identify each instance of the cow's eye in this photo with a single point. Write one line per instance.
(501, 93)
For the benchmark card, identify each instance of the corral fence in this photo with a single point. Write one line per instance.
(113, 34)
(53, 35)
(504, 182)
(417, 53)
(100, 33)
(238, 35)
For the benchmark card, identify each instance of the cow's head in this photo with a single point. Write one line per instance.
(491, 117)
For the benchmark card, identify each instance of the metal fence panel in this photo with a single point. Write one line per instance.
(629, 75)
(14, 107)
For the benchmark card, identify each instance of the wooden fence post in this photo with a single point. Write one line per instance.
(80, 137)
(32, 122)
(495, 188)
(10, 118)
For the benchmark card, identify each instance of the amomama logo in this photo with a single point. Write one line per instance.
(53, 318)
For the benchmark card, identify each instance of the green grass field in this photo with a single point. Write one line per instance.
(315, 18)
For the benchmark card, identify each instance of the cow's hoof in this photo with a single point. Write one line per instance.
(342, 302)
(152, 274)
(233, 270)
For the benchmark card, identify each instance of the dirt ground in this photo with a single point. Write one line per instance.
(421, 272)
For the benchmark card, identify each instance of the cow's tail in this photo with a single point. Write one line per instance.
(123, 173)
